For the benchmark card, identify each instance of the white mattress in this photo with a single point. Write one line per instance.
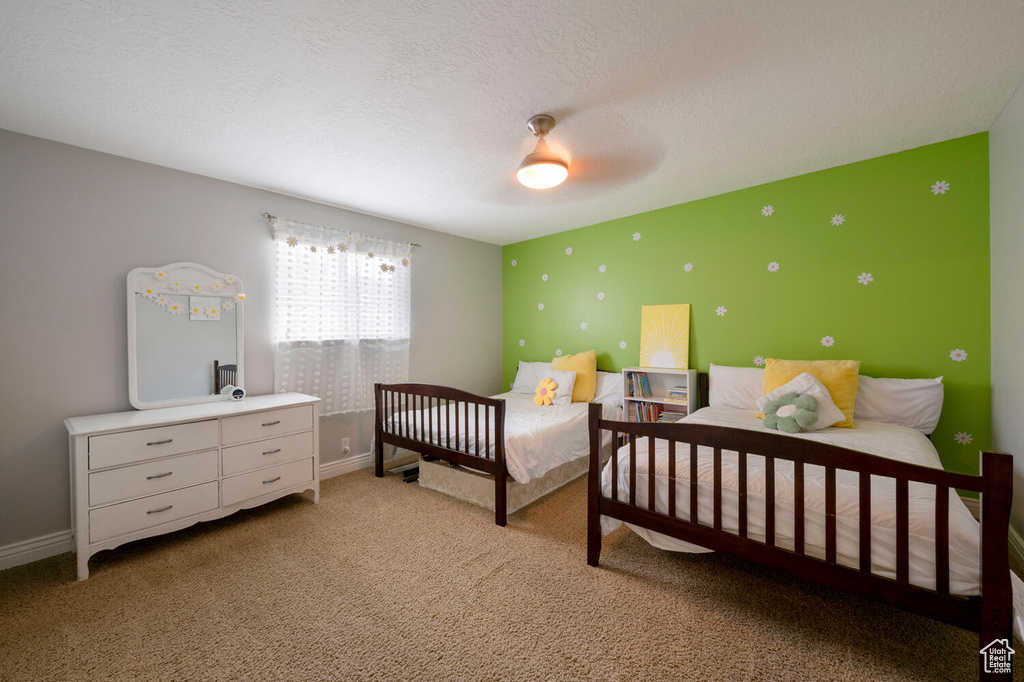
(887, 440)
(537, 439)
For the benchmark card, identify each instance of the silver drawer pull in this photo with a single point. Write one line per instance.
(273, 480)
(163, 475)
(272, 452)
(160, 442)
(271, 423)
(161, 509)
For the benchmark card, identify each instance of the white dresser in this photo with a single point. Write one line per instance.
(144, 473)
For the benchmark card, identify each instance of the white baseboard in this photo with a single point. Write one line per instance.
(34, 549)
(346, 466)
(973, 505)
(27, 551)
(1016, 546)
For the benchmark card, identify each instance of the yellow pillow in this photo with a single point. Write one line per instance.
(839, 376)
(585, 366)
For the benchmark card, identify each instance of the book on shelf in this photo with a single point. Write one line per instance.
(639, 385)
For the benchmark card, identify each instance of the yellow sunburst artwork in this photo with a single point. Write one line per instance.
(665, 336)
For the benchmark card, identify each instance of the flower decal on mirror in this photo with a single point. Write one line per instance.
(240, 297)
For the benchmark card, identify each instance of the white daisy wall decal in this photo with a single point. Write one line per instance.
(622, 345)
(958, 355)
(767, 210)
(758, 361)
(838, 219)
(827, 341)
(721, 311)
(558, 352)
(600, 268)
(963, 438)
(636, 236)
(688, 267)
(522, 342)
(773, 267)
(568, 251)
(600, 295)
(544, 277)
(513, 262)
(540, 306)
(940, 187)
(865, 278)
(583, 325)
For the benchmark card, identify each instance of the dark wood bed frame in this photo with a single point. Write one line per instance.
(990, 614)
(400, 419)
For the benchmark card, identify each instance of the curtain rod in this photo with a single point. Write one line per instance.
(267, 216)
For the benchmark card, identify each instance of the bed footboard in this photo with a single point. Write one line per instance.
(990, 616)
(444, 423)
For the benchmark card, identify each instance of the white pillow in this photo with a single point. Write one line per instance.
(828, 413)
(564, 380)
(609, 389)
(916, 403)
(738, 387)
(529, 375)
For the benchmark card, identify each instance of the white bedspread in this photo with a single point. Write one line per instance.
(887, 440)
(537, 439)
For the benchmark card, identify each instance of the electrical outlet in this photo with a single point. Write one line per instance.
(345, 449)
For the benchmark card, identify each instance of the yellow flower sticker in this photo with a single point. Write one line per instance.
(545, 393)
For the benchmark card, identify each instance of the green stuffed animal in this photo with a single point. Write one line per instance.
(791, 413)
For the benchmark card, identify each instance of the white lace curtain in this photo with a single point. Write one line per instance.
(341, 314)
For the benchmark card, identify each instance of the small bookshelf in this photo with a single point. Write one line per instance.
(653, 394)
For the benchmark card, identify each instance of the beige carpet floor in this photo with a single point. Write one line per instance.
(387, 581)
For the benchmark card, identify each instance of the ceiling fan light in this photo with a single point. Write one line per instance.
(542, 169)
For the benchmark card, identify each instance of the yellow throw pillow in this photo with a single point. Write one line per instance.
(585, 366)
(839, 376)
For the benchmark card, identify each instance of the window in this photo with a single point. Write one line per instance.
(342, 314)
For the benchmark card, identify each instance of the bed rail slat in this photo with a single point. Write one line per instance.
(652, 498)
(476, 431)
(769, 500)
(902, 532)
(615, 465)
(942, 540)
(487, 431)
(865, 522)
(672, 478)
(465, 425)
(693, 484)
(830, 514)
(632, 470)
(741, 462)
(718, 489)
(798, 507)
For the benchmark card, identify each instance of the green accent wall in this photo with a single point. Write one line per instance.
(927, 254)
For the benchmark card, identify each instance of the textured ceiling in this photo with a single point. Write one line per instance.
(416, 109)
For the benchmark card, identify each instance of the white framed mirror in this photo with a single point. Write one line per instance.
(184, 335)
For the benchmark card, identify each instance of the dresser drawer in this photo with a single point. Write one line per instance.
(120, 519)
(262, 425)
(149, 478)
(138, 446)
(262, 453)
(265, 481)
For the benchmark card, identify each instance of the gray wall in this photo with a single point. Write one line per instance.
(1006, 165)
(74, 222)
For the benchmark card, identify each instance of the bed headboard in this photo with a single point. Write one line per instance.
(702, 389)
